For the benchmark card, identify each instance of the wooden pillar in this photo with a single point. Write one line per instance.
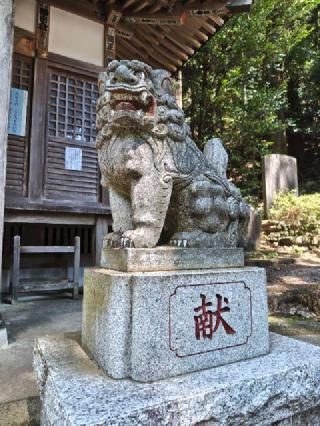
(39, 100)
(6, 42)
(38, 130)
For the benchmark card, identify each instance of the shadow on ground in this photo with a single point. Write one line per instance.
(19, 399)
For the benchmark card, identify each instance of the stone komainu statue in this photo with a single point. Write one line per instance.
(163, 189)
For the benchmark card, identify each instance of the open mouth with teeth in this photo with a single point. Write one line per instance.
(131, 104)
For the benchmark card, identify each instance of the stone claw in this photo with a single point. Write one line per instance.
(112, 240)
(179, 243)
(126, 243)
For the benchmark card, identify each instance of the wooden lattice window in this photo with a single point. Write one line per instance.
(17, 153)
(72, 108)
(22, 72)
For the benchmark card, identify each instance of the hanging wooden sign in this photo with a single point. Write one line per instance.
(114, 17)
(156, 19)
(201, 12)
(42, 38)
(124, 33)
(110, 31)
(110, 44)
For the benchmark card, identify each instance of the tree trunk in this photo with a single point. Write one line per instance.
(202, 102)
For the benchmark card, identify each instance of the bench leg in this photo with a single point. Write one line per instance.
(76, 268)
(15, 268)
(75, 291)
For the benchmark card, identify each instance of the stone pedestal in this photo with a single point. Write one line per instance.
(281, 388)
(154, 325)
(148, 326)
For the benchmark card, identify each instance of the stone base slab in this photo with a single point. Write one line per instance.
(280, 388)
(168, 258)
(153, 325)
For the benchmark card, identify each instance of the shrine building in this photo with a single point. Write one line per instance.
(51, 53)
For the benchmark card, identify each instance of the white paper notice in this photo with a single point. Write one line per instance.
(73, 158)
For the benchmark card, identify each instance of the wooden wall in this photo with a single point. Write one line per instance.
(46, 202)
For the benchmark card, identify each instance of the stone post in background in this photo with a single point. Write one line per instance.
(6, 41)
(279, 174)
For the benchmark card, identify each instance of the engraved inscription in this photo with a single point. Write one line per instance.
(209, 317)
(204, 327)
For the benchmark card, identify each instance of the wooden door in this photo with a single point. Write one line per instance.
(71, 169)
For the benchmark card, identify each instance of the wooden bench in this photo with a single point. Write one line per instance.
(25, 286)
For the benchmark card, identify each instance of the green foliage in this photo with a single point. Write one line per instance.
(299, 215)
(237, 86)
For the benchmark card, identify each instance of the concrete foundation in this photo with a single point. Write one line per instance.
(281, 388)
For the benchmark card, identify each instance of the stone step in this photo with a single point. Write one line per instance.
(279, 388)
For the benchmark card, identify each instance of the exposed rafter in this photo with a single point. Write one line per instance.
(163, 32)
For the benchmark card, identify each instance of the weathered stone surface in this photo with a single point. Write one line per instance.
(163, 189)
(143, 325)
(279, 174)
(3, 338)
(215, 151)
(168, 258)
(283, 386)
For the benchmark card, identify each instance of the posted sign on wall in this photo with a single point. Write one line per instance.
(73, 158)
(18, 112)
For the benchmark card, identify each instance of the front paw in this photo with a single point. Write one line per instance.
(112, 240)
(139, 238)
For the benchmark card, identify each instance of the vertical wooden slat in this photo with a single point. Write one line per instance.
(85, 240)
